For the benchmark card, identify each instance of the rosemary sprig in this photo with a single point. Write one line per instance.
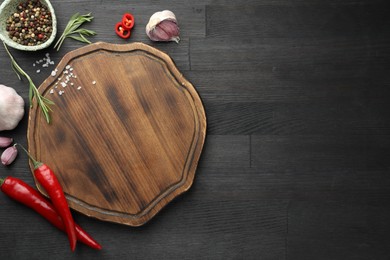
(43, 102)
(73, 31)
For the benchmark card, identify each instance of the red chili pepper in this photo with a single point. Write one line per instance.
(128, 21)
(122, 31)
(25, 194)
(45, 176)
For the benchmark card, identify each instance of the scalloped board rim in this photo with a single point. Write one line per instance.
(169, 108)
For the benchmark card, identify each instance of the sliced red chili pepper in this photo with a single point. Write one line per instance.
(46, 177)
(25, 194)
(122, 31)
(128, 21)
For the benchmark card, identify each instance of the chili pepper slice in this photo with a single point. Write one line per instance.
(128, 21)
(20, 191)
(46, 177)
(121, 31)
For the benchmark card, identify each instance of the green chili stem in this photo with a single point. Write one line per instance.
(35, 162)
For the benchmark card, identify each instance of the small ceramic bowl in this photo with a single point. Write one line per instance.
(7, 8)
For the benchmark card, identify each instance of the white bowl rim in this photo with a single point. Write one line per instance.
(4, 35)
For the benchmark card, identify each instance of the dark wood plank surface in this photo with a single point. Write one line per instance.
(296, 160)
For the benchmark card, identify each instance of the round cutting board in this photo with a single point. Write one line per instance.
(126, 132)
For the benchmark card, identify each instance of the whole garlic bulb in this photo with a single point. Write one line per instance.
(11, 108)
(163, 26)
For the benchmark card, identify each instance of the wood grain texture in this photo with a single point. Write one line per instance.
(126, 134)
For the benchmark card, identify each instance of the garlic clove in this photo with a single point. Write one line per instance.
(167, 31)
(9, 155)
(162, 26)
(5, 141)
(11, 108)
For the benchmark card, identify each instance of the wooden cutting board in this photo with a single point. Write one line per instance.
(126, 134)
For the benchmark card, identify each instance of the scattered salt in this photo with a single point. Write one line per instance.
(65, 80)
(46, 61)
(38, 71)
(94, 82)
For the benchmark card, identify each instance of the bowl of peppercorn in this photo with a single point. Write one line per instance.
(27, 25)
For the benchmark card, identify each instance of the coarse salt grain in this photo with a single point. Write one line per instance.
(46, 61)
(79, 87)
(94, 82)
(38, 71)
(53, 73)
(51, 91)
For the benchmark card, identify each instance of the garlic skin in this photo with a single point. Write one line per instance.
(5, 141)
(162, 26)
(9, 155)
(11, 108)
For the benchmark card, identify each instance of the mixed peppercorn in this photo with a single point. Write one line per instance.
(31, 24)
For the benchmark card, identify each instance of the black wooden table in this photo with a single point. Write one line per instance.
(296, 163)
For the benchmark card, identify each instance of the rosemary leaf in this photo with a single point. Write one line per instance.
(85, 32)
(72, 28)
(79, 38)
(83, 37)
(43, 102)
